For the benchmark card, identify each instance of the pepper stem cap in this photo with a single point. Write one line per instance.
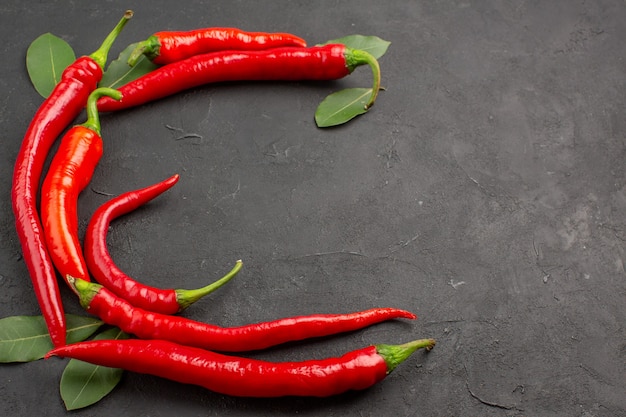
(394, 355)
(86, 290)
(150, 48)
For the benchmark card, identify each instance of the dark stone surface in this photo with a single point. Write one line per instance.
(485, 191)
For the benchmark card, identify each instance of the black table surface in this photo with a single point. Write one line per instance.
(485, 191)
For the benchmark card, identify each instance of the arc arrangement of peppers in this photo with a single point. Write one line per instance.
(167, 345)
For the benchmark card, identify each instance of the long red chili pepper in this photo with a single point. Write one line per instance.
(171, 46)
(70, 172)
(147, 325)
(107, 273)
(356, 370)
(328, 62)
(63, 105)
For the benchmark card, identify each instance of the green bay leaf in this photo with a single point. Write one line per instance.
(372, 44)
(46, 58)
(84, 384)
(119, 72)
(342, 106)
(26, 338)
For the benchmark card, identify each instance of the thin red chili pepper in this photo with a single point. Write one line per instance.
(171, 46)
(107, 273)
(116, 311)
(62, 106)
(70, 172)
(328, 62)
(243, 377)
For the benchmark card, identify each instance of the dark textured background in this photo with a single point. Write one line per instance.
(485, 191)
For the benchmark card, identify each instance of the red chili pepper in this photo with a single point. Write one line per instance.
(168, 46)
(356, 370)
(147, 325)
(107, 273)
(63, 105)
(70, 172)
(328, 62)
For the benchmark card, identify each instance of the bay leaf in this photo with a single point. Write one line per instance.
(46, 58)
(342, 106)
(26, 338)
(372, 44)
(119, 72)
(84, 384)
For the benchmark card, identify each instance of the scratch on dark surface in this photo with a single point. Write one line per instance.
(184, 135)
(338, 252)
(399, 261)
(391, 155)
(428, 323)
(102, 192)
(402, 245)
(486, 402)
(546, 271)
(232, 195)
(520, 388)
(456, 284)
(478, 184)
(130, 244)
(595, 375)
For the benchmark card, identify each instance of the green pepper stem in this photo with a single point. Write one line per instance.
(85, 290)
(394, 355)
(150, 48)
(356, 57)
(100, 55)
(93, 117)
(187, 297)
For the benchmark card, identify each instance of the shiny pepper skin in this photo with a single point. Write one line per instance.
(167, 47)
(71, 170)
(328, 62)
(59, 110)
(115, 311)
(235, 376)
(55, 114)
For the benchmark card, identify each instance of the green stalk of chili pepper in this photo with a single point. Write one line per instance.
(116, 311)
(171, 46)
(70, 172)
(327, 62)
(356, 370)
(62, 106)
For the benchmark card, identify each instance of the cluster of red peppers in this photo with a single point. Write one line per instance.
(167, 345)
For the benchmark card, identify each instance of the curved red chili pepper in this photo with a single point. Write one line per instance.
(107, 273)
(328, 62)
(70, 172)
(115, 311)
(171, 46)
(62, 106)
(356, 370)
